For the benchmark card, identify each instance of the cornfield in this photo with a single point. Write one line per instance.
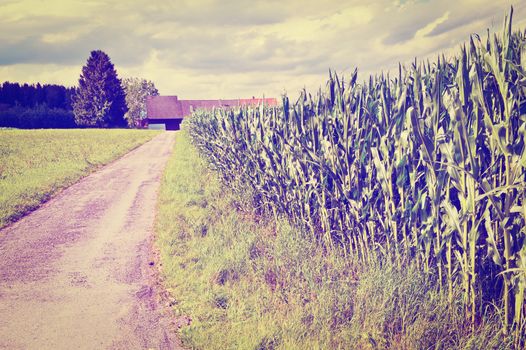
(426, 167)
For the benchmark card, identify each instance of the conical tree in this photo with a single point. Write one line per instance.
(100, 99)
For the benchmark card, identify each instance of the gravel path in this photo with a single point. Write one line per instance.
(80, 272)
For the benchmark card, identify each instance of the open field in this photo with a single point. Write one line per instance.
(35, 164)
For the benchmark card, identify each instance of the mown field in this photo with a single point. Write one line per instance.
(35, 164)
(388, 213)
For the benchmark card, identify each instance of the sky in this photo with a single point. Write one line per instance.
(205, 49)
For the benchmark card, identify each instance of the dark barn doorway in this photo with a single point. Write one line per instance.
(166, 124)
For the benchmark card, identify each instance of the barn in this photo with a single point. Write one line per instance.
(163, 112)
(167, 112)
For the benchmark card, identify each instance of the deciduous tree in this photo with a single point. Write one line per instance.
(136, 90)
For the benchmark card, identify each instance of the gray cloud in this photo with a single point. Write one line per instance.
(223, 13)
(12, 30)
(403, 30)
(224, 48)
(28, 44)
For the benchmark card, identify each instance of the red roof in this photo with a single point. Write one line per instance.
(162, 107)
(170, 107)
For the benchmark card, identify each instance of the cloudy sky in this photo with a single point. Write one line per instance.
(234, 48)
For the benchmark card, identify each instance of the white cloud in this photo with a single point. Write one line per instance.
(428, 29)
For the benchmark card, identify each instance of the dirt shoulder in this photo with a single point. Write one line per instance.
(80, 272)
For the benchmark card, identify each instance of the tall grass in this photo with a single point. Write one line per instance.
(35, 164)
(423, 169)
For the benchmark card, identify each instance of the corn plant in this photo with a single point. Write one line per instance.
(427, 167)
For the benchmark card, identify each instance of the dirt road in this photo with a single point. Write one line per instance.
(78, 273)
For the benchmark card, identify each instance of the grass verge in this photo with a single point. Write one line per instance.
(249, 282)
(35, 164)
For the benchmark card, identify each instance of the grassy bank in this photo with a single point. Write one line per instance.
(35, 164)
(248, 282)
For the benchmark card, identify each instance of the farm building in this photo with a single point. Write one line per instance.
(167, 112)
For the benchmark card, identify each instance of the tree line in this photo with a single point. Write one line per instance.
(36, 106)
(101, 100)
(30, 96)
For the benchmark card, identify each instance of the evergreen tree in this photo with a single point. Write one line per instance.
(136, 92)
(99, 100)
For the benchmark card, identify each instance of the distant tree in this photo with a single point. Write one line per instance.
(29, 96)
(99, 100)
(68, 98)
(55, 96)
(11, 93)
(136, 90)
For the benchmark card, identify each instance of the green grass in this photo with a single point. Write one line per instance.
(249, 282)
(35, 164)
